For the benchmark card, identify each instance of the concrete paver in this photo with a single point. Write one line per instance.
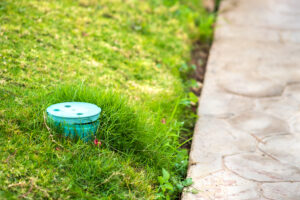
(247, 139)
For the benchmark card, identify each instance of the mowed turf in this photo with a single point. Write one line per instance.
(128, 57)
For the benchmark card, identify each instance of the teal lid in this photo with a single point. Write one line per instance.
(73, 110)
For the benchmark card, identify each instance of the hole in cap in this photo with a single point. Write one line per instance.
(56, 109)
(79, 113)
(67, 106)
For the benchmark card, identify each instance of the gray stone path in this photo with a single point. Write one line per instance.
(246, 143)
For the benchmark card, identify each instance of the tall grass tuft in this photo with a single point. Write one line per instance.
(124, 127)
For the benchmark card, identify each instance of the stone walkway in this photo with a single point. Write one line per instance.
(246, 143)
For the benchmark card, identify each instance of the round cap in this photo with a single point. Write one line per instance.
(73, 110)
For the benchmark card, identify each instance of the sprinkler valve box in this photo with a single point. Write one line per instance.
(74, 119)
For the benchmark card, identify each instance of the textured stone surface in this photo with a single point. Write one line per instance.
(271, 14)
(261, 168)
(224, 184)
(284, 148)
(284, 191)
(259, 124)
(247, 139)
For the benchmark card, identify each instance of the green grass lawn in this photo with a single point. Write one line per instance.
(127, 56)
